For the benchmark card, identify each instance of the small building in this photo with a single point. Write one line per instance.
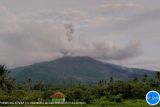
(57, 97)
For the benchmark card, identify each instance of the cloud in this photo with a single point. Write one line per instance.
(139, 18)
(62, 15)
(7, 20)
(30, 38)
(108, 50)
(113, 6)
(145, 62)
(100, 22)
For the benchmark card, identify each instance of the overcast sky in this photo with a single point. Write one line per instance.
(124, 32)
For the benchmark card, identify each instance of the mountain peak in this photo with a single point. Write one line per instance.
(76, 58)
(78, 69)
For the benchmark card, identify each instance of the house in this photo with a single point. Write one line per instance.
(57, 97)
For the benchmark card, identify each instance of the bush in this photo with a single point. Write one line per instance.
(88, 99)
(118, 98)
(46, 94)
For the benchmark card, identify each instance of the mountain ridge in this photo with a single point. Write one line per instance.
(78, 69)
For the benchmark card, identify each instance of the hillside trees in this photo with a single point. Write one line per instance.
(157, 77)
(6, 83)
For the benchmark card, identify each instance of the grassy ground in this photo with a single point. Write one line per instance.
(127, 103)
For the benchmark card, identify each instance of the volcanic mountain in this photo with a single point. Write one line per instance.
(69, 70)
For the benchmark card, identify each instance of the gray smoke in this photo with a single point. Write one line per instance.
(69, 31)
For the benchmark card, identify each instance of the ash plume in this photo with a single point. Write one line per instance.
(69, 31)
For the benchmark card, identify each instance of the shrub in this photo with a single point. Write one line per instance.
(118, 98)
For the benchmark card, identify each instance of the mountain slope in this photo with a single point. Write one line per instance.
(69, 70)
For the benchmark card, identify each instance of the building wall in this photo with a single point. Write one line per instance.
(58, 99)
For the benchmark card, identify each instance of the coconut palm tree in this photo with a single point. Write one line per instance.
(6, 83)
(39, 85)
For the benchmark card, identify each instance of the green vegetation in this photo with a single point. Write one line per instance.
(5, 82)
(114, 93)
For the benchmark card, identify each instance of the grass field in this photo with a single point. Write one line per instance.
(126, 103)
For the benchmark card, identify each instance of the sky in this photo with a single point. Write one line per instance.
(123, 32)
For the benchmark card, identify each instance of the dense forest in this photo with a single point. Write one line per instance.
(113, 91)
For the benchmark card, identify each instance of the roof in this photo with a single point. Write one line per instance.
(57, 95)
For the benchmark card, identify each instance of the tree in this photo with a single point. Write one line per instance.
(145, 78)
(111, 80)
(39, 85)
(27, 84)
(29, 81)
(151, 82)
(78, 93)
(6, 83)
(157, 77)
(135, 79)
(102, 83)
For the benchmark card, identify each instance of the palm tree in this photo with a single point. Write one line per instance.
(39, 85)
(6, 83)
(157, 77)
(27, 84)
(111, 80)
(145, 78)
